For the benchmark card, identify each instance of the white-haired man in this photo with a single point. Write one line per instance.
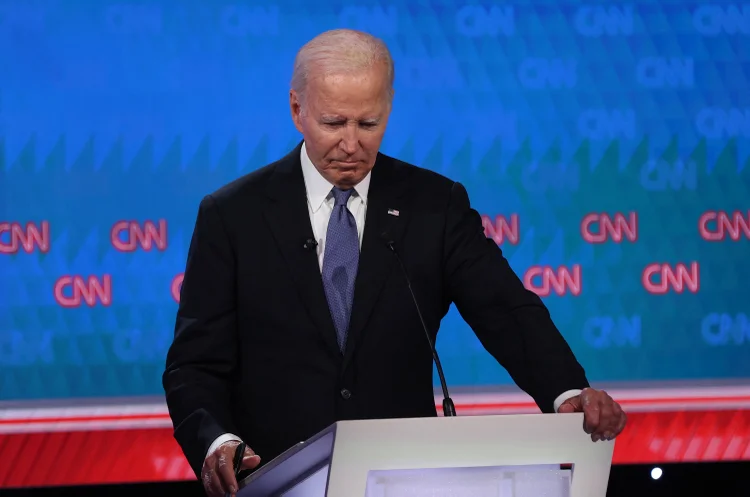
(293, 311)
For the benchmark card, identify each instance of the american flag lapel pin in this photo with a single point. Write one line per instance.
(393, 212)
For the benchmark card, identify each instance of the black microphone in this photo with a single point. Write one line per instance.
(448, 408)
(310, 244)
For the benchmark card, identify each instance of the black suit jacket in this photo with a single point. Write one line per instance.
(255, 350)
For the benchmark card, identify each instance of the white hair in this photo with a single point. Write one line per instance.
(340, 51)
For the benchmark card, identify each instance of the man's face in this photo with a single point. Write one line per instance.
(343, 122)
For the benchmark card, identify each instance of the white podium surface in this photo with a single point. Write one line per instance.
(501, 481)
(477, 456)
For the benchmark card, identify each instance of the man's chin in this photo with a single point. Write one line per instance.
(348, 178)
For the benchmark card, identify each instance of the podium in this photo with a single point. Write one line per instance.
(525, 455)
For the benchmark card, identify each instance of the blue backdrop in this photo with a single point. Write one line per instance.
(606, 144)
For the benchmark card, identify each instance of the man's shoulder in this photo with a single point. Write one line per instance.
(248, 188)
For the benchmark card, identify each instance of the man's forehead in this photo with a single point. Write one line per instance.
(334, 81)
(330, 107)
(333, 71)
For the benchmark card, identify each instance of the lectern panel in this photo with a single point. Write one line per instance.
(314, 486)
(497, 481)
(302, 467)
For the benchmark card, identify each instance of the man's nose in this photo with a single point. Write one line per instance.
(350, 139)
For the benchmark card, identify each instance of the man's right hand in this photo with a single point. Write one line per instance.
(218, 474)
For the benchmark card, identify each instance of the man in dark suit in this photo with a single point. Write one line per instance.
(294, 312)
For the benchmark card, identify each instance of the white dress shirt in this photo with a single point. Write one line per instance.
(320, 202)
(320, 205)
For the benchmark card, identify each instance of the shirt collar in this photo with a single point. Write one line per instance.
(318, 188)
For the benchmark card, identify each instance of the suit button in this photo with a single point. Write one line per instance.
(346, 394)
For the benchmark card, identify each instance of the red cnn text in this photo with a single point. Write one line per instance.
(177, 286)
(716, 226)
(501, 228)
(129, 236)
(26, 238)
(543, 280)
(661, 278)
(599, 228)
(74, 291)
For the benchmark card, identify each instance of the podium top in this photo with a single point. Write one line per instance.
(335, 454)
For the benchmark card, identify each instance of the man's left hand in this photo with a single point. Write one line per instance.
(603, 418)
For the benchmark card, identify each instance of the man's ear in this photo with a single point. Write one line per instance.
(295, 107)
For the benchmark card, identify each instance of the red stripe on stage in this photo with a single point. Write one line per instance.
(151, 454)
(74, 419)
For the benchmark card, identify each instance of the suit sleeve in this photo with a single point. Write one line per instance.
(201, 360)
(510, 321)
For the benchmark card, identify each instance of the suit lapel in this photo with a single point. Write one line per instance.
(288, 217)
(386, 217)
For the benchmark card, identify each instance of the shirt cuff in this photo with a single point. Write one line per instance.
(565, 396)
(226, 437)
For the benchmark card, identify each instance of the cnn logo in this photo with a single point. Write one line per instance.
(501, 229)
(15, 237)
(74, 291)
(544, 280)
(600, 228)
(129, 236)
(717, 226)
(659, 279)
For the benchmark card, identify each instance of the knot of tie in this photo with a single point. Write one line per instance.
(340, 196)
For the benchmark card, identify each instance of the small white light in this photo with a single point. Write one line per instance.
(656, 473)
